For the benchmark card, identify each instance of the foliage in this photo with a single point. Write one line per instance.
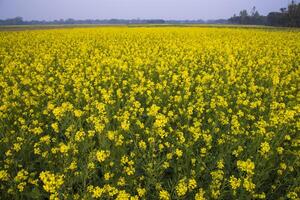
(149, 113)
(287, 17)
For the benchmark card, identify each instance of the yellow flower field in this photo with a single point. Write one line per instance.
(150, 113)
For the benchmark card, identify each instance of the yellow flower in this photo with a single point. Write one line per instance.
(21, 186)
(248, 184)
(181, 188)
(73, 165)
(78, 113)
(247, 166)
(164, 195)
(220, 164)
(203, 152)
(63, 148)
(293, 195)
(21, 175)
(200, 195)
(178, 152)
(153, 110)
(166, 165)
(45, 139)
(79, 136)
(55, 127)
(264, 148)
(107, 176)
(237, 151)
(121, 181)
(160, 121)
(192, 184)
(142, 145)
(4, 175)
(123, 195)
(260, 196)
(283, 166)
(91, 165)
(234, 182)
(102, 155)
(97, 192)
(217, 177)
(141, 192)
(125, 125)
(280, 150)
(17, 147)
(51, 181)
(129, 170)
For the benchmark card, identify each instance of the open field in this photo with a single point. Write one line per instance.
(149, 113)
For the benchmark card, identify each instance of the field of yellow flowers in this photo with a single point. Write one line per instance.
(150, 113)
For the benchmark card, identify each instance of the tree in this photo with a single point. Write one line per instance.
(243, 13)
(276, 19)
(283, 10)
(289, 16)
(254, 12)
(293, 14)
(243, 16)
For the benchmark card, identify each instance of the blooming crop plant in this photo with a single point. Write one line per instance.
(150, 113)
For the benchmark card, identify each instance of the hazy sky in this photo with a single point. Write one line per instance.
(132, 9)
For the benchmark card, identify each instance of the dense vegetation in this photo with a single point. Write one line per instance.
(289, 17)
(149, 113)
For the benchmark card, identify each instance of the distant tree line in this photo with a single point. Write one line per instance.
(289, 16)
(20, 21)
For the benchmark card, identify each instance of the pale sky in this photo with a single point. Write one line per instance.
(132, 9)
